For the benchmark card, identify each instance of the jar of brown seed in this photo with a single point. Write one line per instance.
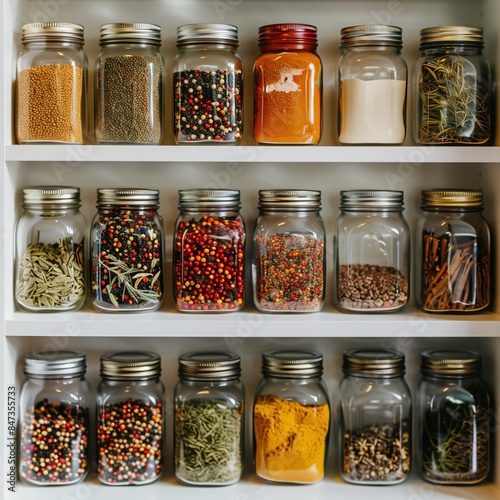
(51, 84)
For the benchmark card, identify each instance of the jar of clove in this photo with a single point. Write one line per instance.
(375, 417)
(208, 426)
(453, 252)
(455, 419)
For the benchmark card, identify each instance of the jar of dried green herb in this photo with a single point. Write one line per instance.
(454, 422)
(208, 426)
(50, 271)
(453, 87)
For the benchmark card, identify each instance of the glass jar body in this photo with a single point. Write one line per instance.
(288, 97)
(54, 410)
(50, 260)
(209, 432)
(129, 94)
(375, 426)
(452, 260)
(130, 412)
(208, 94)
(372, 261)
(454, 96)
(372, 95)
(289, 262)
(281, 409)
(51, 93)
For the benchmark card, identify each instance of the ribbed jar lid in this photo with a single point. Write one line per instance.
(451, 363)
(371, 200)
(462, 198)
(196, 199)
(55, 364)
(289, 199)
(440, 35)
(55, 32)
(130, 33)
(51, 197)
(371, 34)
(220, 366)
(128, 197)
(207, 33)
(288, 36)
(292, 364)
(376, 363)
(130, 366)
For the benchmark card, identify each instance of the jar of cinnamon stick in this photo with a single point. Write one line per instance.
(453, 252)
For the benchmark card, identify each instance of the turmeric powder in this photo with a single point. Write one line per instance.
(290, 440)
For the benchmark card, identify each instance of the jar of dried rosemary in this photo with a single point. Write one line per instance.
(208, 426)
(454, 421)
(453, 252)
(50, 253)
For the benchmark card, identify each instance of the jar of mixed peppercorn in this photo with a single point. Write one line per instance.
(127, 251)
(208, 85)
(130, 431)
(209, 248)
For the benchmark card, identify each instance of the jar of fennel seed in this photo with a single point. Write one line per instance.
(372, 252)
(51, 84)
(375, 417)
(129, 85)
(209, 415)
(50, 250)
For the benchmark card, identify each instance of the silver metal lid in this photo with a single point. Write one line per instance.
(355, 36)
(131, 366)
(371, 200)
(209, 366)
(127, 196)
(207, 33)
(54, 364)
(56, 32)
(51, 197)
(451, 34)
(376, 363)
(130, 33)
(450, 363)
(289, 199)
(458, 198)
(196, 199)
(292, 364)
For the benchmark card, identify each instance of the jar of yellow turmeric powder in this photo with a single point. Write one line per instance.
(291, 418)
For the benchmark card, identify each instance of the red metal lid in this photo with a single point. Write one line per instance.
(288, 37)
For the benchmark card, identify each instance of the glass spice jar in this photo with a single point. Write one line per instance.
(372, 252)
(453, 87)
(453, 252)
(291, 418)
(289, 261)
(51, 84)
(127, 251)
(130, 429)
(207, 85)
(454, 418)
(372, 85)
(54, 423)
(129, 84)
(209, 414)
(288, 84)
(209, 251)
(375, 417)
(50, 272)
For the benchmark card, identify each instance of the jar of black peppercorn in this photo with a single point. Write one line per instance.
(127, 251)
(208, 85)
(289, 261)
(372, 252)
(130, 411)
(454, 418)
(208, 427)
(129, 84)
(453, 252)
(375, 417)
(209, 251)
(54, 420)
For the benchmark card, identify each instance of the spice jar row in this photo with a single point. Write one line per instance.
(453, 86)
(291, 418)
(372, 252)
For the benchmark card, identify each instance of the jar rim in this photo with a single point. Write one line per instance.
(371, 34)
(128, 197)
(52, 32)
(376, 363)
(450, 198)
(289, 363)
(55, 364)
(130, 33)
(207, 365)
(450, 363)
(130, 365)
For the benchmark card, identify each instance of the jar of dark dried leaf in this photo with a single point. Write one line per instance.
(455, 419)
(453, 252)
(375, 417)
(208, 426)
